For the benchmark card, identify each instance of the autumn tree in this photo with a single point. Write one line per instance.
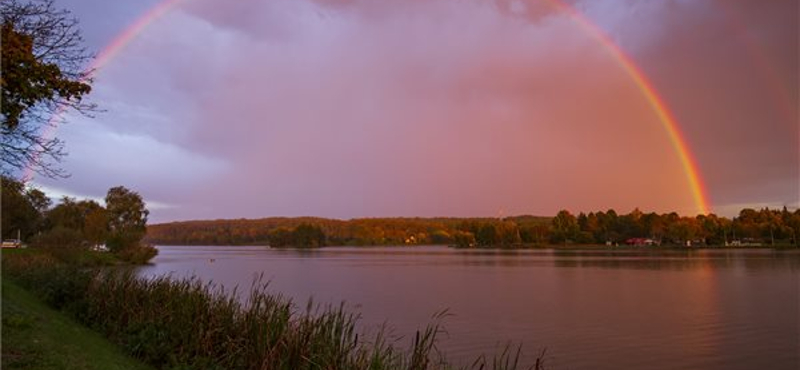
(127, 218)
(464, 239)
(22, 209)
(66, 214)
(654, 225)
(43, 63)
(87, 217)
(630, 225)
(487, 235)
(771, 225)
(280, 237)
(565, 226)
(95, 227)
(607, 222)
(683, 230)
(746, 224)
(712, 229)
(307, 235)
(508, 233)
(303, 236)
(587, 226)
(792, 221)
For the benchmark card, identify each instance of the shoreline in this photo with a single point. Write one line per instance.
(186, 323)
(550, 247)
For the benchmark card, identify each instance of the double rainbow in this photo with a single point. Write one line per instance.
(665, 116)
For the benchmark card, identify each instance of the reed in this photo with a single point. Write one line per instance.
(187, 324)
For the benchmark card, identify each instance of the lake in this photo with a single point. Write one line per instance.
(630, 309)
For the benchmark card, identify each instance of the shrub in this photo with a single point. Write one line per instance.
(59, 237)
(138, 254)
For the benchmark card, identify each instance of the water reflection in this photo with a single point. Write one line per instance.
(655, 309)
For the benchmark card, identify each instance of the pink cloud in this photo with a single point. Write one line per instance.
(360, 108)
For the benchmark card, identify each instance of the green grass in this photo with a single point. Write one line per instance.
(35, 336)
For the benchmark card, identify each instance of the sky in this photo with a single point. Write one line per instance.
(359, 108)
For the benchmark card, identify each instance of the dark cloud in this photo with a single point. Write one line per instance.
(736, 97)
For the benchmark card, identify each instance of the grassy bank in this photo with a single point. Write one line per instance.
(185, 324)
(38, 337)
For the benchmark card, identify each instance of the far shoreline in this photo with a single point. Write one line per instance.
(549, 247)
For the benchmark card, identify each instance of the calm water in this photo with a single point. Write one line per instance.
(735, 309)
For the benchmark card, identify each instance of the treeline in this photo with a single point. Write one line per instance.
(750, 227)
(283, 231)
(73, 225)
(753, 227)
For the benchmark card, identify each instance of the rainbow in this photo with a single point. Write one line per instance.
(106, 55)
(665, 116)
(130, 33)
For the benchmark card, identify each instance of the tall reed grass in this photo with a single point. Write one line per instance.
(187, 324)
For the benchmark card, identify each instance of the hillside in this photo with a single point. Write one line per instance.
(362, 231)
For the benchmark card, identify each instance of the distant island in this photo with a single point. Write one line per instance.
(765, 227)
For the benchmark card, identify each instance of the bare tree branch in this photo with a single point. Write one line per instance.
(42, 52)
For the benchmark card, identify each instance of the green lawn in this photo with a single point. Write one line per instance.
(35, 337)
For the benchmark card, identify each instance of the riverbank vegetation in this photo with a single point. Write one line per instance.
(186, 324)
(765, 227)
(33, 338)
(73, 227)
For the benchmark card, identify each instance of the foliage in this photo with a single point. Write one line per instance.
(565, 227)
(70, 213)
(508, 234)
(766, 227)
(127, 218)
(491, 233)
(303, 236)
(464, 239)
(441, 237)
(280, 237)
(306, 235)
(72, 226)
(63, 243)
(95, 226)
(43, 73)
(20, 209)
(487, 235)
(137, 254)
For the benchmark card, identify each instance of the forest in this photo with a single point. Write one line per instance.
(764, 227)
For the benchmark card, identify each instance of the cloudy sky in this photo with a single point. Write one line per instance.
(353, 108)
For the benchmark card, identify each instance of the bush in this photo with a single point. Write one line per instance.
(63, 243)
(60, 285)
(138, 254)
(59, 237)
